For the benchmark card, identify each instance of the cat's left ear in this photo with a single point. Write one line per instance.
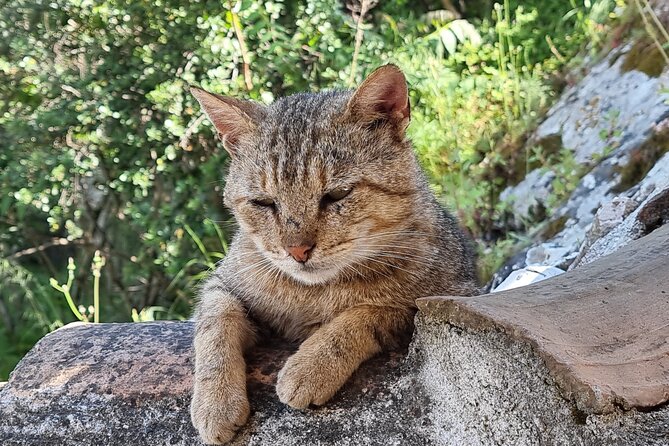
(382, 96)
(235, 119)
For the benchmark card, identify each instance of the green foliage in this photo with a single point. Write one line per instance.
(105, 151)
(473, 107)
(25, 315)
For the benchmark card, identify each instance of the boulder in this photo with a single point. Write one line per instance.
(122, 384)
(581, 358)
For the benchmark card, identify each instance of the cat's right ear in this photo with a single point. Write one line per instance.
(234, 119)
(383, 96)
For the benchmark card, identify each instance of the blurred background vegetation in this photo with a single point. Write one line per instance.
(111, 179)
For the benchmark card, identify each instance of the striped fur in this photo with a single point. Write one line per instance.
(376, 250)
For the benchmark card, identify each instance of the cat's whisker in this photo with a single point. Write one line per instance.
(399, 255)
(394, 246)
(392, 249)
(355, 246)
(260, 274)
(246, 255)
(362, 264)
(354, 273)
(420, 261)
(407, 232)
(263, 262)
(388, 238)
(268, 275)
(360, 256)
(374, 237)
(390, 265)
(226, 222)
(346, 268)
(392, 241)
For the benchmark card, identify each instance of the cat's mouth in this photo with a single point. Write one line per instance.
(310, 272)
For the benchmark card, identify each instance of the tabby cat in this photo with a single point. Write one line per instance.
(338, 235)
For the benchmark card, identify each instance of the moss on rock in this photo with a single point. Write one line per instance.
(643, 158)
(646, 57)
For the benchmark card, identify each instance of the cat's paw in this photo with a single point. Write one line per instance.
(217, 415)
(302, 382)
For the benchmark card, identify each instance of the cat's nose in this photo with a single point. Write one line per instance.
(301, 252)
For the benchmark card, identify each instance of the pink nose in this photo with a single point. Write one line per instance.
(300, 253)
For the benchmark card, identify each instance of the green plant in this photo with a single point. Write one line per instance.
(493, 255)
(65, 289)
(25, 315)
(80, 312)
(567, 173)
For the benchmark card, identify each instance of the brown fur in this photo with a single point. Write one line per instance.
(376, 250)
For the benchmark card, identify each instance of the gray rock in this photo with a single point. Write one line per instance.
(554, 254)
(610, 215)
(608, 110)
(494, 390)
(529, 196)
(654, 190)
(130, 384)
(516, 262)
(559, 362)
(594, 189)
(528, 275)
(602, 120)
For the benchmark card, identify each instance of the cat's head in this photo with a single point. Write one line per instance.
(322, 182)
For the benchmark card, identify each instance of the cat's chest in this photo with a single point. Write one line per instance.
(295, 311)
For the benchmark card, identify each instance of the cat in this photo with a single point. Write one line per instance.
(339, 233)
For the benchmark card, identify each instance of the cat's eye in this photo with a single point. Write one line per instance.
(263, 202)
(338, 194)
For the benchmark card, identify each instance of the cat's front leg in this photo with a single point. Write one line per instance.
(326, 360)
(222, 333)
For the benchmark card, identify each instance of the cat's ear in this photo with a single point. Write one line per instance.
(382, 96)
(234, 119)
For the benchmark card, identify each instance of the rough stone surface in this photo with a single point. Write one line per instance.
(653, 210)
(122, 384)
(521, 367)
(98, 384)
(494, 390)
(610, 215)
(582, 358)
(530, 195)
(605, 116)
(130, 384)
(596, 107)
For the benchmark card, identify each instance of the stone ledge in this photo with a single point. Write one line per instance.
(602, 330)
(121, 384)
